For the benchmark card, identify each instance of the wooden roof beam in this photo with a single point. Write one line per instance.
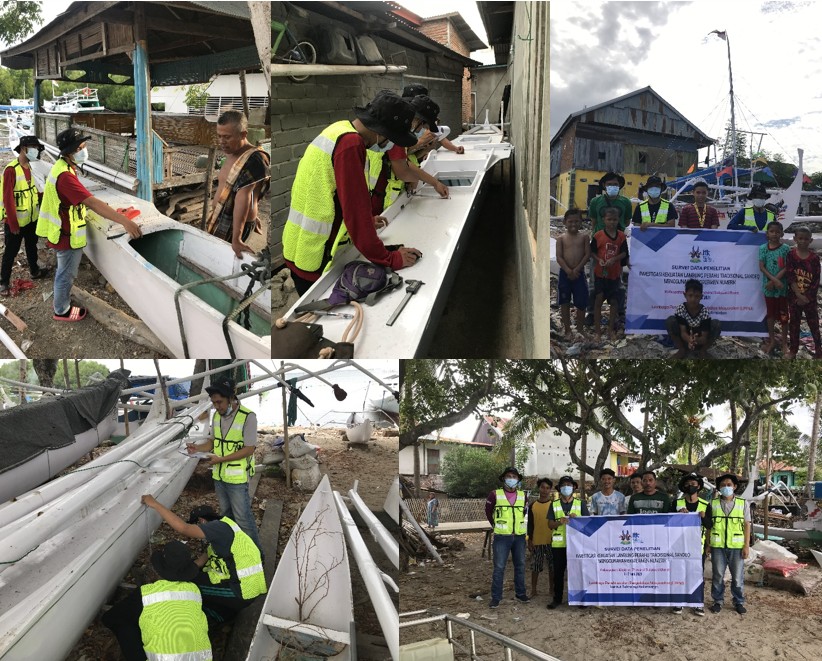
(209, 29)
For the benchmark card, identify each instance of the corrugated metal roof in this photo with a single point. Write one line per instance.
(236, 9)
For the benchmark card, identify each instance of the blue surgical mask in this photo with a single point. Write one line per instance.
(612, 191)
(228, 411)
(381, 150)
(32, 153)
(511, 482)
(726, 491)
(759, 203)
(655, 192)
(419, 133)
(81, 156)
(566, 491)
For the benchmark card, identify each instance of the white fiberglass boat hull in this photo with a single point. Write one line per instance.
(440, 230)
(314, 564)
(359, 432)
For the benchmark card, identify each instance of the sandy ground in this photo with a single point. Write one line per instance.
(375, 467)
(86, 339)
(778, 625)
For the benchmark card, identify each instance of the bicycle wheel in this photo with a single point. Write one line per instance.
(303, 53)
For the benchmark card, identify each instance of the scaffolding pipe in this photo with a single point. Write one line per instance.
(280, 70)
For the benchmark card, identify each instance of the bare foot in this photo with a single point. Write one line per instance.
(789, 355)
(767, 346)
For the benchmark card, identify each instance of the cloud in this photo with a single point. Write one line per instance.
(780, 123)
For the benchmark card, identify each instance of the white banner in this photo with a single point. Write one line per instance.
(635, 560)
(726, 262)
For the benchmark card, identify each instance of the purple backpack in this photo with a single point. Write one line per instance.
(360, 281)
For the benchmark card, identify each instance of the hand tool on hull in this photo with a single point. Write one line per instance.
(413, 286)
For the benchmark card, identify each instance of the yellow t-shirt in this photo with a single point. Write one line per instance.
(542, 533)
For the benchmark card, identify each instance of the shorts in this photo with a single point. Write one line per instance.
(572, 289)
(540, 556)
(610, 289)
(777, 308)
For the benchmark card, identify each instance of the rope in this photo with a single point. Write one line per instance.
(11, 562)
(355, 325)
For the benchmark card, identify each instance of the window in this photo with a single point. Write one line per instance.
(601, 155)
(433, 462)
(642, 156)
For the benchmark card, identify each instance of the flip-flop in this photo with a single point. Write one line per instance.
(75, 313)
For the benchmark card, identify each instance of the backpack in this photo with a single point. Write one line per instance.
(360, 281)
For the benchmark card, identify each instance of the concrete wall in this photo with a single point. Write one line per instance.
(488, 84)
(531, 139)
(300, 111)
(551, 458)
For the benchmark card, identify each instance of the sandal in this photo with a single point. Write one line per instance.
(4, 290)
(75, 313)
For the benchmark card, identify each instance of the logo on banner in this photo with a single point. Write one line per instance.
(627, 538)
(700, 256)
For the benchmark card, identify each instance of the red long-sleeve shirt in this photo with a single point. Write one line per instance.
(9, 203)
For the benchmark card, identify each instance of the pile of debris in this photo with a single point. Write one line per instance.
(773, 565)
(185, 205)
(303, 460)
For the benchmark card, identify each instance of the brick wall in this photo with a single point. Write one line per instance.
(300, 111)
(442, 31)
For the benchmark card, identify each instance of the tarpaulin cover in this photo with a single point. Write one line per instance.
(52, 422)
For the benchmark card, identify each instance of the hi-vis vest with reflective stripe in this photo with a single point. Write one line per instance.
(728, 532)
(26, 200)
(311, 215)
(701, 506)
(173, 624)
(750, 221)
(238, 471)
(558, 541)
(661, 214)
(509, 519)
(247, 563)
(48, 223)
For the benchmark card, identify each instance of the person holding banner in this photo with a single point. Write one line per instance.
(690, 486)
(558, 514)
(729, 537)
(505, 510)
(650, 501)
(755, 217)
(699, 215)
(539, 535)
(654, 211)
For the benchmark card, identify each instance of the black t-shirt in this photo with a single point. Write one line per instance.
(220, 536)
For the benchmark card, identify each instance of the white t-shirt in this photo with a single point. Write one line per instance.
(608, 505)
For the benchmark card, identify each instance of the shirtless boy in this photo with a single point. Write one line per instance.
(573, 252)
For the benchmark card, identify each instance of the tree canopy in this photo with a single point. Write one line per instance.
(18, 19)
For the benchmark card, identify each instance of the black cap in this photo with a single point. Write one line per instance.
(203, 512)
(759, 190)
(224, 388)
(70, 139)
(565, 479)
(426, 109)
(611, 175)
(173, 562)
(510, 469)
(729, 476)
(389, 116)
(414, 89)
(29, 141)
(653, 180)
(691, 476)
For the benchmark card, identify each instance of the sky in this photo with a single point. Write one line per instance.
(600, 51)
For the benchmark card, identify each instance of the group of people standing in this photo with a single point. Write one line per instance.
(540, 526)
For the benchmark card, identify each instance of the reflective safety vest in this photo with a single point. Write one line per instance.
(245, 556)
(173, 624)
(310, 222)
(239, 470)
(558, 541)
(49, 224)
(661, 215)
(750, 221)
(728, 532)
(701, 506)
(509, 519)
(26, 199)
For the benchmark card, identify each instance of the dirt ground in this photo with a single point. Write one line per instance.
(85, 339)
(778, 625)
(375, 467)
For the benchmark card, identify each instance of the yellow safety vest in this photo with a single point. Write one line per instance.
(728, 532)
(661, 215)
(26, 199)
(750, 221)
(701, 506)
(509, 519)
(313, 204)
(558, 541)
(238, 471)
(172, 623)
(247, 563)
(49, 224)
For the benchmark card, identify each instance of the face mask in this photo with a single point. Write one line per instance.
(612, 191)
(726, 491)
(381, 150)
(511, 482)
(228, 411)
(654, 192)
(81, 156)
(691, 490)
(758, 203)
(419, 132)
(566, 491)
(33, 154)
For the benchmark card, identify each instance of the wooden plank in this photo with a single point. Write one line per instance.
(246, 621)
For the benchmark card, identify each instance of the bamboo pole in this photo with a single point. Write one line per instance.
(77, 371)
(65, 373)
(767, 478)
(125, 404)
(161, 382)
(285, 433)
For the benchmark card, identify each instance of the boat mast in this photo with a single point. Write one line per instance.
(724, 35)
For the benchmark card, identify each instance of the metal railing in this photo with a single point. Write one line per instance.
(509, 645)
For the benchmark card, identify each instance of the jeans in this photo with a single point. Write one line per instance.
(68, 264)
(235, 503)
(721, 558)
(26, 234)
(503, 544)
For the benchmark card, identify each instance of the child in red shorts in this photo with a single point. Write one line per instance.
(803, 282)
